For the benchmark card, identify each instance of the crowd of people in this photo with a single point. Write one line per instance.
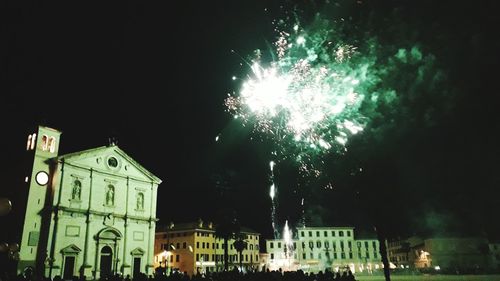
(233, 275)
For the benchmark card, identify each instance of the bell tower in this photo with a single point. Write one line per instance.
(41, 146)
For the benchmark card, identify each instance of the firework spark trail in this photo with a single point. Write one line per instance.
(288, 241)
(272, 194)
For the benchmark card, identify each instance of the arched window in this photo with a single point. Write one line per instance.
(44, 142)
(52, 144)
(318, 244)
(28, 143)
(33, 141)
(251, 247)
(77, 190)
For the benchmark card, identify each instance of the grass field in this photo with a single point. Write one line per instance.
(433, 278)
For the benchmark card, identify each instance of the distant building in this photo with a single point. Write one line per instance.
(404, 253)
(450, 254)
(90, 213)
(315, 249)
(495, 255)
(194, 247)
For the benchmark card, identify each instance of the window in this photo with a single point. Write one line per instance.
(294, 245)
(203, 245)
(271, 245)
(184, 245)
(376, 256)
(367, 255)
(319, 256)
(325, 233)
(317, 233)
(318, 244)
(310, 233)
(197, 257)
(197, 245)
(335, 255)
(272, 256)
(178, 245)
(279, 245)
(333, 233)
(374, 244)
(341, 233)
(348, 233)
(52, 144)
(327, 245)
(44, 142)
(112, 162)
(342, 255)
(311, 244)
(349, 244)
(342, 245)
(251, 246)
(177, 258)
(366, 244)
(302, 233)
(304, 255)
(303, 245)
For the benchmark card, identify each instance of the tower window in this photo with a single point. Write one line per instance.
(52, 144)
(44, 142)
(28, 143)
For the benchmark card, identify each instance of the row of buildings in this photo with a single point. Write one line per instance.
(451, 254)
(93, 213)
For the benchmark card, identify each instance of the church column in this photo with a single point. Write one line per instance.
(86, 270)
(126, 266)
(151, 236)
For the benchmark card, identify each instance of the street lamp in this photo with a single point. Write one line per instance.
(166, 255)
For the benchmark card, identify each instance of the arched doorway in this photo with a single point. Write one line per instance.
(106, 261)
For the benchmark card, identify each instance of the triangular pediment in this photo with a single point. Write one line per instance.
(137, 252)
(109, 159)
(71, 249)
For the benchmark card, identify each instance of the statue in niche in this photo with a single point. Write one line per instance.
(110, 195)
(140, 201)
(77, 190)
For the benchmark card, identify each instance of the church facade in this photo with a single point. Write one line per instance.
(90, 213)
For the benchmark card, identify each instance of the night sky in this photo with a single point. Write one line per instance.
(155, 76)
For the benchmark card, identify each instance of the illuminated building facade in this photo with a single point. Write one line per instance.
(495, 255)
(194, 247)
(90, 213)
(404, 253)
(446, 254)
(316, 249)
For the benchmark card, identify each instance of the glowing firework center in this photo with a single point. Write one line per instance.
(309, 97)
